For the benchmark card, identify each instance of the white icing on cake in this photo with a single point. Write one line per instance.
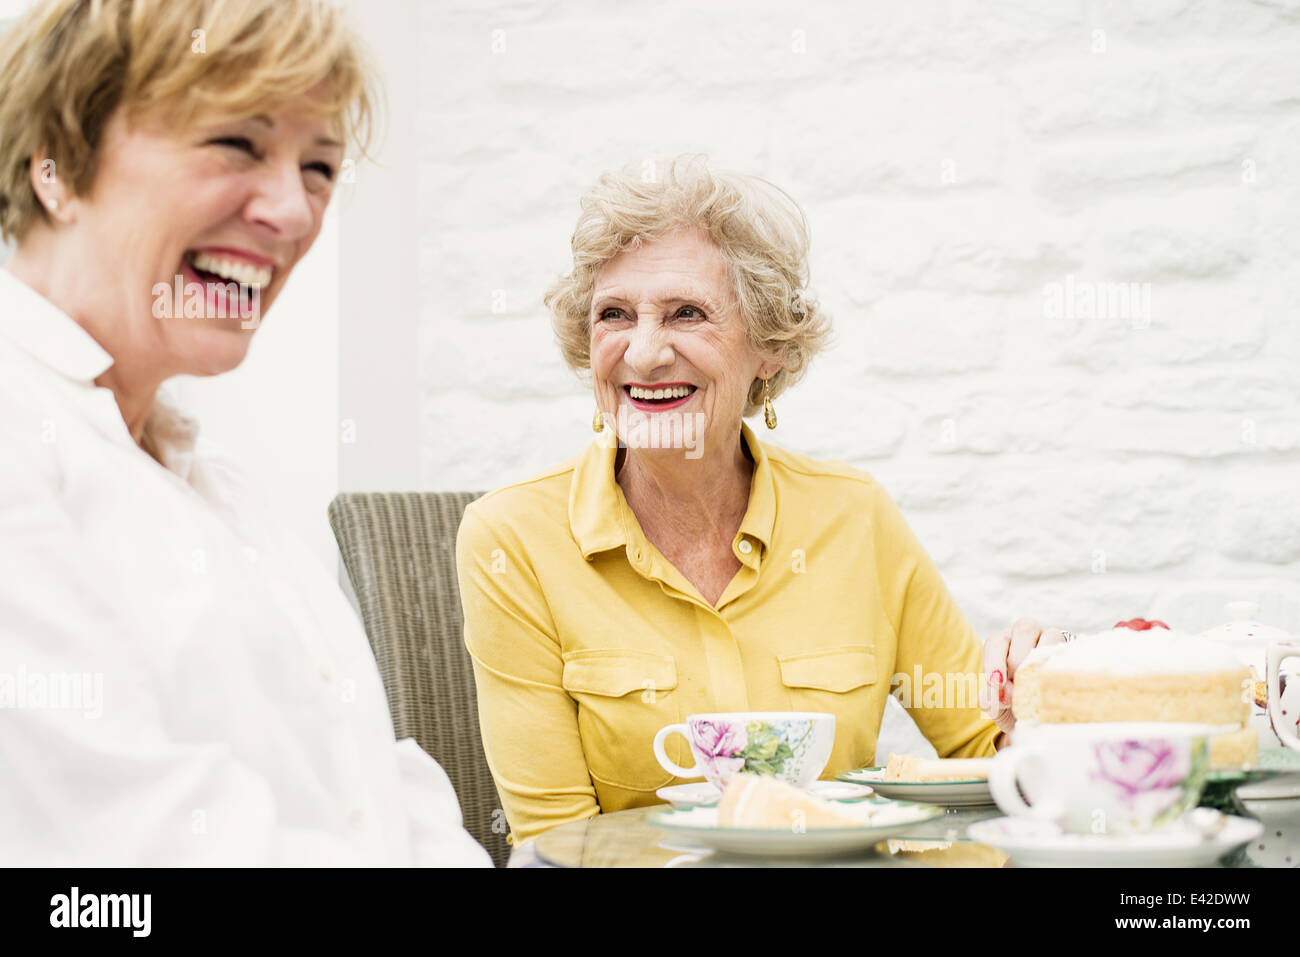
(1123, 651)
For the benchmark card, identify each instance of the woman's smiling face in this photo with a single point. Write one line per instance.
(664, 317)
(230, 200)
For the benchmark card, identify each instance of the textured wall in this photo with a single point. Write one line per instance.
(979, 179)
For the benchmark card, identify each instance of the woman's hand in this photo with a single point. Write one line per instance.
(1003, 654)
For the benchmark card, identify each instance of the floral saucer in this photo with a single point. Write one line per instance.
(880, 821)
(1208, 837)
(704, 794)
(969, 793)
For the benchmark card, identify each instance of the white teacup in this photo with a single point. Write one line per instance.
(1103, 778)
(1284, 726)
(791, 745)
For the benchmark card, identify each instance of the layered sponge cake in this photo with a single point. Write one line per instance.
(1155, 675)
(908, 769)
(753, 800)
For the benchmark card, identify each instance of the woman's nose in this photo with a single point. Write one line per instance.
(649, 347)
(282, 203)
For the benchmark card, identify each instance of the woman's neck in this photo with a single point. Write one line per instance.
(702, 498)
(37, 264)
(135, 398)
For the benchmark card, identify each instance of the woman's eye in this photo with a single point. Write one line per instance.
(325, 169)
(689, 312)
(237, 142)
(609, 314)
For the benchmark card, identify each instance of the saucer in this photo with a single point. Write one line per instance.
(970, 793)
(704, 794)
(1034, 843)
(1273, 764)
(1275, 803)
(1279, 845)
(1277, 788)
(699, 794)
(880, 821)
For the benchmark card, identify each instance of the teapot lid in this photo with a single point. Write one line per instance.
(1243, 627)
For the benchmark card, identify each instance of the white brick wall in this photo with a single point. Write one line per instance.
(955, 160)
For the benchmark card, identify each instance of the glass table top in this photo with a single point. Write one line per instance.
(628, 839)
(1269, 795)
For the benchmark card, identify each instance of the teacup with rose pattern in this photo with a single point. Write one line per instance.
(793, 746)
(1103, 778)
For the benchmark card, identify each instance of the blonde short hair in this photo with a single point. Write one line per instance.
(762, 232)
(67, 65)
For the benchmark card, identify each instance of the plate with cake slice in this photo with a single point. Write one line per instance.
(765, 817)
(949, 782)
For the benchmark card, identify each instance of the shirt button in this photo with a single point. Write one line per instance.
(745, 547)
(356, 819)
(324, 673)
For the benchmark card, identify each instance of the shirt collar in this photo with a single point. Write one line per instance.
(40, 328)
(597, 506)
(172, 435)
(57, 341)
(760, 517)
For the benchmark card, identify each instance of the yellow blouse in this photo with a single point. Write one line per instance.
(586, 640)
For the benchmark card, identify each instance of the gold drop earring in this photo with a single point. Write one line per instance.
(598, 421)
(769, 413)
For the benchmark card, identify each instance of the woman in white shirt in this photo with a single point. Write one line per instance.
(182, 683)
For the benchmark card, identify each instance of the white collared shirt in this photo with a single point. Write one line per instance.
(181, 682)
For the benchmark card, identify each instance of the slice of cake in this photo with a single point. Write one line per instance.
(907, 769)
(1235, 749)
(1154, 675)
(759, 801)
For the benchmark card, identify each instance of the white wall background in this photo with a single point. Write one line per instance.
(955, 159)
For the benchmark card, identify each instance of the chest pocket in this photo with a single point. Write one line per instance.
(624, 698)
(814, 676)
(840, 681)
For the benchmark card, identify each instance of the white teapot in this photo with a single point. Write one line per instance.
(1251, 641)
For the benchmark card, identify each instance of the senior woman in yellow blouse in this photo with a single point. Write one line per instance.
(679, 565)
